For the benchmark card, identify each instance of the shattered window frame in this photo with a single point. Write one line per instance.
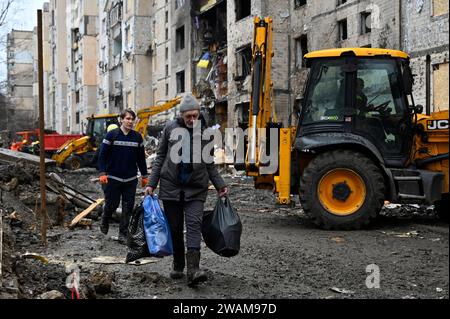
(180, 41)
(181, 81)
(343, 29)
(243, 9)
(299, 4)
(243, 62)
(364, 17)
(301, 48)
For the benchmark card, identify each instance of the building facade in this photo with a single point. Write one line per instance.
(138, 53)
(425, 37)
(82, 58)
(21, 113)
(58, 77)
(125, 63)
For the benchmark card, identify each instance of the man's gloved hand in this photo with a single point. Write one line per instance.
(144, 181)
(103, 179)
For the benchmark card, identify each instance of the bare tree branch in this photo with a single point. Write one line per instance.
(4, 11)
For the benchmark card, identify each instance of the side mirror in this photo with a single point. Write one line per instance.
(418, 109)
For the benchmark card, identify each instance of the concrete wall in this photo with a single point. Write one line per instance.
(425, 31)
(20, 77)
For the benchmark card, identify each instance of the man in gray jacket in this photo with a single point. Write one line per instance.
(184, 188)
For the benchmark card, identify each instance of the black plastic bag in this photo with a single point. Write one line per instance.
(137, 242)
(222, 229)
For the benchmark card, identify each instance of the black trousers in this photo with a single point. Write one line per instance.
(177, 213)
(114, 191)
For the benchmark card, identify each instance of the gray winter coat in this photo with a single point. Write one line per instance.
(165, 171)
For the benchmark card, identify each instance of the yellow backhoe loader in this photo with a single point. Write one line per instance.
(82, 152)
(360, 139)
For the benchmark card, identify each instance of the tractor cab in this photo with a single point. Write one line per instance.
(359, 96)
(97, 127)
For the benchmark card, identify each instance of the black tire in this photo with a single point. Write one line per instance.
(441, 208)
(74, 162)
(369, 175)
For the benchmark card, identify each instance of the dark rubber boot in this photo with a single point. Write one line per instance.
(194, 274)
(104, 226)
(122, 239)
(177, 270)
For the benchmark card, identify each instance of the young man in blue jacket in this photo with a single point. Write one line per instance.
(121, 154)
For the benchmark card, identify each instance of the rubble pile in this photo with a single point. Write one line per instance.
(29, 275)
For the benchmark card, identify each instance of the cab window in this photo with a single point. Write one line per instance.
(325, 97)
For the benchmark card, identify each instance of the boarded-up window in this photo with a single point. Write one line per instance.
(440, 83)
(440, 7)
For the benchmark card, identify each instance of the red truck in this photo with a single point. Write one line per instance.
(28, 141)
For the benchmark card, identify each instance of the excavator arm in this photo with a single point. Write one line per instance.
(263, 118)
(262, 92)
(144, 114)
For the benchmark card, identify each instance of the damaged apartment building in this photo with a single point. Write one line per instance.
(419, 28)
(223, 33)
(82, 59)
(222, 36)
(125, 64)
(20, 50)
(139, 53)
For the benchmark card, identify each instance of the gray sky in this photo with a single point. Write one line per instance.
(22, 16)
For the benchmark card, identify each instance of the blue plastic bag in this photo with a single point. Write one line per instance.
(156, 227)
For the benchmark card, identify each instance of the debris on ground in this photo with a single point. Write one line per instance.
(342, 291)
(294, 253)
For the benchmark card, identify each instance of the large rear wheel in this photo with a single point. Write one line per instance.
(342, 189)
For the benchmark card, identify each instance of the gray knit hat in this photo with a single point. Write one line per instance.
(189, 103)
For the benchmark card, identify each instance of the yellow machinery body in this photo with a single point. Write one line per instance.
(346, 200)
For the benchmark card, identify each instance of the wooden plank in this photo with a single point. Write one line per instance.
(12, 157)
(86, 212)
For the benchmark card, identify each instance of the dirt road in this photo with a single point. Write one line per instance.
(282, 256)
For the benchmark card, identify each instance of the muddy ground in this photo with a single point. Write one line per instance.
(283, 255)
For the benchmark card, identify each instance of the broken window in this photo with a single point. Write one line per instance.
(115, 15)
(243, 62)
(343, 29)
(179, 39)
(180, 82)
(366, 22)
(243, 8)
(299, 3)
(117, 48)
(341, 2)
(301, 48)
